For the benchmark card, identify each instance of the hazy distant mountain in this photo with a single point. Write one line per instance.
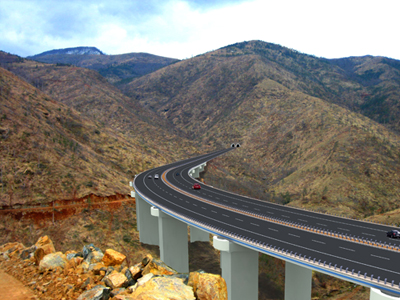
(116, 68)
(70, 51)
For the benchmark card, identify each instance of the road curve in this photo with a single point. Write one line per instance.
(353, 250)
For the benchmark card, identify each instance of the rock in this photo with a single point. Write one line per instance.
(116, 280)
(112, 258)
(97, 267)
(38, 255)
(144, 279)
(94, 257)
(87, 249)
(26, 253)
(115, 292)
(163, 288)
(208, 286)
(135, 272)
(46, 244)
(11, 247)
(52, 261)
(99, 292)
(158, 267)
(148, 258)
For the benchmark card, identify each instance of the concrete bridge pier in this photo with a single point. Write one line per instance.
(173, 241)
(146, 224)
(198, 235)
(239, 269)
(297, 282)
(376, 294)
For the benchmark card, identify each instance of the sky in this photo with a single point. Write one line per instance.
(186, 28)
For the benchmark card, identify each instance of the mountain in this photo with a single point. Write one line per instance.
(115, 68)
(298, 117)
(74, 134)
(71, 51)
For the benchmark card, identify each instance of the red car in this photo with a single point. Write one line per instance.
(196, 186)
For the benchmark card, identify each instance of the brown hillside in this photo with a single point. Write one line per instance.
(296, 148)
(50, 151)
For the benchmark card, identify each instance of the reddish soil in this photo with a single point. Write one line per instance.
(11, 288)
(63, 209)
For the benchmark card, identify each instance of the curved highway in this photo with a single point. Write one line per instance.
(353, 250)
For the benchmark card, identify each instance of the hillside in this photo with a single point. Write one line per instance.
(115, 68)
(297, 148)
(51, 151)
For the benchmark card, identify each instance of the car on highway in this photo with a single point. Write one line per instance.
(196, 186)
(149, 177)
(177, 174)
(393, 234)
(156, 176)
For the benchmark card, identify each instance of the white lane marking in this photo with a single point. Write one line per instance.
(217, 198)
(239, 219)
(244, 205)
(343, 229)
(225, 215)
(273, 229)
(256, 209)
(380, 257)
(234, 203)
(368, 234)
(270, 212)
(194, 204)
(293, 235)
(255, 224)
(285, 216)
(204, 208)
(322, 224)
(302, 220)
(347, 249)
(214, 212)
(319, 242)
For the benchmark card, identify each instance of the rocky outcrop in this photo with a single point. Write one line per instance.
(208, 286)
(91, 275)
(46, 244)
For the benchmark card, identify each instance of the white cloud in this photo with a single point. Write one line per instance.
(183, 28)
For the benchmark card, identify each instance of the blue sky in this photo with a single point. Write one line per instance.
(182, 29)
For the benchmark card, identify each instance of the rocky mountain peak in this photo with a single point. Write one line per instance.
(73, 51)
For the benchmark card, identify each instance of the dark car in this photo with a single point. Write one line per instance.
(196, 186)
(393, 234)
(177, 174)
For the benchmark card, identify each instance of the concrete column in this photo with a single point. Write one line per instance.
(173, 237)
(146, 224)
(376, 294)
(198, 235)
(297, 282)
(239, 269)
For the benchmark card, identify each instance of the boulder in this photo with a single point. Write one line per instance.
(52, 261)
(38, 255)
(27, 252)
(208, 286)
(158, 267)
(116, 280)
(99, 292)
(163, 288)
(94, 257)
(113, 258)
(135, 271)
(46, 244)
(148, 258)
